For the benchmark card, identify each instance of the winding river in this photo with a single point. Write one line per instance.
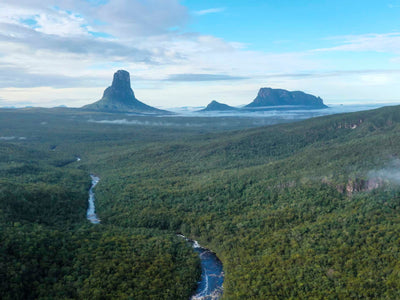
(212, 273)
(91, 211)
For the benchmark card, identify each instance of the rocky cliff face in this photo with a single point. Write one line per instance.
(119, 97)
(279, 97)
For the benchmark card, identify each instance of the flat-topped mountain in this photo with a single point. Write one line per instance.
(119, 97)
(280, 97)
(217, 106)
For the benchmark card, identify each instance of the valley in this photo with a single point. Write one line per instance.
(306, 209)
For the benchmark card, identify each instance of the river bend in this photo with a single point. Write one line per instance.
(212, 274)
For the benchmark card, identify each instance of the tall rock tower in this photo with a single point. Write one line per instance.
(119, 97)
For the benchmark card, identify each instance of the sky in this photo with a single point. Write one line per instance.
(190, 52)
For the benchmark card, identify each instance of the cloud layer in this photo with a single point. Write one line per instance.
(68, 49)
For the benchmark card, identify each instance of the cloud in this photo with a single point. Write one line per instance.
(10, 138)
(37, 34)
(338, 73)
(68, 37)
(87, 45)
(144, 123)
(61, 23)
(209, 11)
(65, 52)
(389, 174)
(127, 18)
(22, 78)
(385, 42)
(48, 96)
(122, 18)
(130, 122)
(202, 77)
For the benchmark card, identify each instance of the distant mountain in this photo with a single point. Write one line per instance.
(119, 97)
(279, 97)
(217, 106)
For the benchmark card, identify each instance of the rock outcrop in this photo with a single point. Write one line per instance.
(217, 106)
(119, 97)
(278, 97)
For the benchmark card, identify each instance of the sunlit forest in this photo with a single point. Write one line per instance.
(303, 210)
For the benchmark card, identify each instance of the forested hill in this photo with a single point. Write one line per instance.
(302, 210)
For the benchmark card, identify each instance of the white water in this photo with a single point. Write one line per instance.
(210, 287)
(196, 244)
(91, 211)
(203, 293)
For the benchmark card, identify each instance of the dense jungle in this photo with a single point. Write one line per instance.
(301, 210)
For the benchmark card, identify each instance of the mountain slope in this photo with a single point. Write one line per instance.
(217, 106)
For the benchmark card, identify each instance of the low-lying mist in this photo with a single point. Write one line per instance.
(389, 174)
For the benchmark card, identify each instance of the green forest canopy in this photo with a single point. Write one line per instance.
(302, 210)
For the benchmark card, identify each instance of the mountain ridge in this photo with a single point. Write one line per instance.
(280, 97)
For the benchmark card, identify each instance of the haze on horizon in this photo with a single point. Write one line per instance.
(187, 53)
